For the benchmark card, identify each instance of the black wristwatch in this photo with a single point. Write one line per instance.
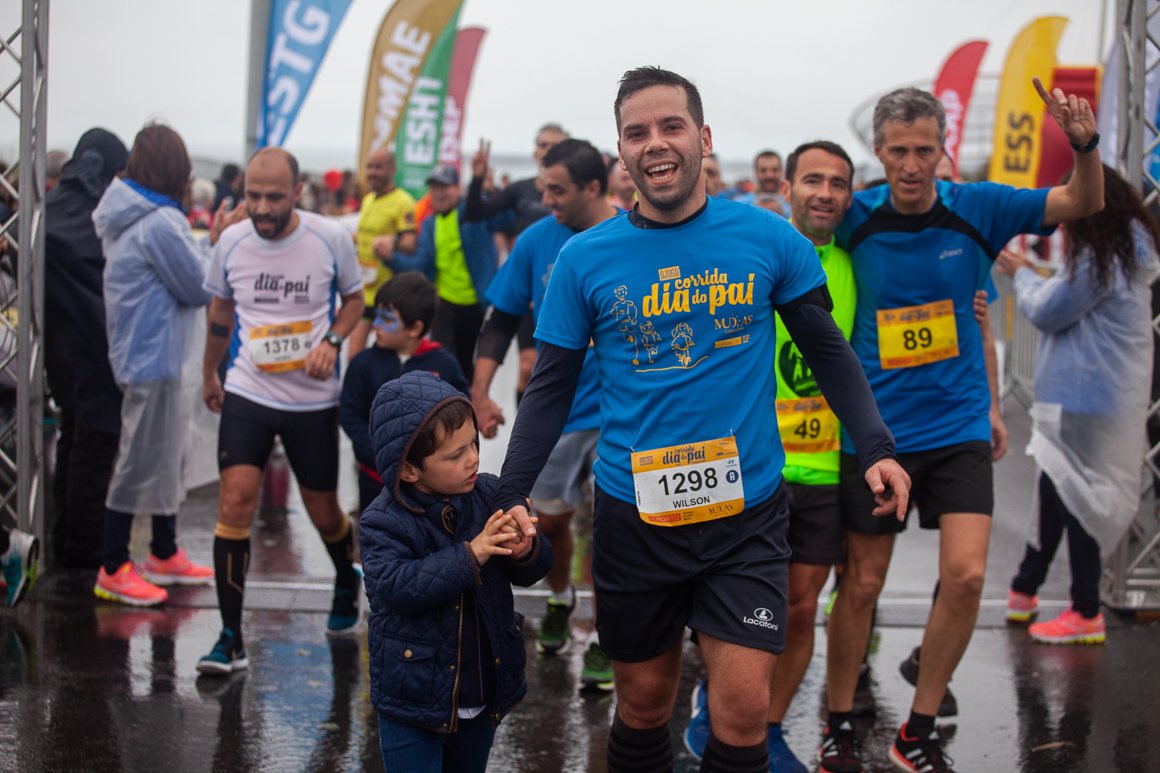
(333, 338)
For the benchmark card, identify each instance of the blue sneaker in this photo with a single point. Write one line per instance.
(226, 656)
(20, 563)
(344, 609)
(781, 758)
(696, 735)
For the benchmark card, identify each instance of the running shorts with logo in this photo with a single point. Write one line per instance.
(726, 578)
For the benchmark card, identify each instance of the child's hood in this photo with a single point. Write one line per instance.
(400, 409)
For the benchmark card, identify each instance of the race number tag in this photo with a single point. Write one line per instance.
(280, 348)
(807, 425)
(688, 483)
(370, 275)
(917, 335)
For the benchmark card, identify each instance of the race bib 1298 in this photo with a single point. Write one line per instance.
(688, 483)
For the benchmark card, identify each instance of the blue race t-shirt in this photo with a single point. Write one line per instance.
(914, 330)
(521, 280)
(681, 320)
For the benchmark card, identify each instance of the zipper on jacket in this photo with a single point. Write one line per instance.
(458, 670)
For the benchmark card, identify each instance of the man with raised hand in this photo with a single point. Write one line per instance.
(689, 527)
(920, 249)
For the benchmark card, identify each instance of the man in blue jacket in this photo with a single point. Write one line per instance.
(461, 259)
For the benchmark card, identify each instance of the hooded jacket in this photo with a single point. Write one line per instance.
(418, 574)
(76, 348)
(153, 282)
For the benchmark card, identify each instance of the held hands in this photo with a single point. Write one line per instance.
(891, 488)
(490, 541)
(1073, 114)
(524, 526)
(479, 162)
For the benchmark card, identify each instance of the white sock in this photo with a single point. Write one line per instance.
(566, 596)
(593, 638)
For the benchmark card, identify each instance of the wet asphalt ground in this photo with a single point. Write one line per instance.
(91, 686)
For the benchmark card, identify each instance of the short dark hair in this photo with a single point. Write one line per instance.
(582, 160)
(645, 77)
(766, 154)
(159, 161)
(412, 295)
(230, 172)
(833, 148)
(438, 426)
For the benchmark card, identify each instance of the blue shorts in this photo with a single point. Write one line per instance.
(727, 578)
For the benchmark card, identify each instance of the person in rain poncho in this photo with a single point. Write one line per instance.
(153, 291)
(1092, 379)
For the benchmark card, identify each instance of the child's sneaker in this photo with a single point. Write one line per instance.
(128, 587)
(20, 565)
(176, 570)
(920, 755)
(1021, 607)
(1070, 628)
(226, 657)
(344, 612)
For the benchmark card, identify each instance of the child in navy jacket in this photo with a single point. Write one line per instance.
(446, 644)
(404, 309)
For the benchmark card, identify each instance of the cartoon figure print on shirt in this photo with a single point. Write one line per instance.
(667, 305)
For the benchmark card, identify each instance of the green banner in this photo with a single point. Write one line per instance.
(417, 141)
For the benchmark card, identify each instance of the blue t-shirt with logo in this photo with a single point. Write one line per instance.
(681, 320)
(521, 280)
(903, 261)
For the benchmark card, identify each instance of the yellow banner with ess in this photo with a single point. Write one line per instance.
(1019, 111)
(405, 40)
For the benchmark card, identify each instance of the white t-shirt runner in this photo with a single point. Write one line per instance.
(285, 296)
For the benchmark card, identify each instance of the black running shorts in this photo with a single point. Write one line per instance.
(726, 578)
(246, 436)
(952, 479)
(815, 524)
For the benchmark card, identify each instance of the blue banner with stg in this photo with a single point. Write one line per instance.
(300, 33)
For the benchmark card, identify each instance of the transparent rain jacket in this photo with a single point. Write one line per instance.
(1093, 376)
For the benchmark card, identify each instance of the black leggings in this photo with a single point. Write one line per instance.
(457, 328)
(1082, 550)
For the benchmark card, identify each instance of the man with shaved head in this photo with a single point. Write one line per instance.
(276, 276)
(386, 222)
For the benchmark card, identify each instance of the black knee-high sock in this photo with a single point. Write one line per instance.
(720, 757)
(341, 552)
(231, 560)
(115, 543)
(164, 543)
(639, 751)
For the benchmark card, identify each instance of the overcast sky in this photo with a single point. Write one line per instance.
(772, 73)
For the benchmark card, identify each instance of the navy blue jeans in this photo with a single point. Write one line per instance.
(410, 749)
(1082, 550)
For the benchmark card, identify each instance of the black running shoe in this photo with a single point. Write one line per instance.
(909, 670)
(920, 755)
(840, 751)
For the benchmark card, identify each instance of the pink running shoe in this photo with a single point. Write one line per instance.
(1069, 628)
(1021, 607)
(176, 570)
(128, 587)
